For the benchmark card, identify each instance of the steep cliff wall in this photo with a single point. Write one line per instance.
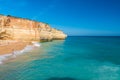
(12, 28)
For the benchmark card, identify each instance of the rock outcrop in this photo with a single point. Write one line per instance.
(13, 28)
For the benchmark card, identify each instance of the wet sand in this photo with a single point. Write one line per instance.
(7, 47)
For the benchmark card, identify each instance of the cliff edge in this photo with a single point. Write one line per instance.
(13, 28)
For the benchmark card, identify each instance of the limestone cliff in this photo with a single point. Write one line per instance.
(12, 28)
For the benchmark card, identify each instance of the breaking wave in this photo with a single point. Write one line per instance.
(19, 52)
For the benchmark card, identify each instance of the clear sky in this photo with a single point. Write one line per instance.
(74, 17)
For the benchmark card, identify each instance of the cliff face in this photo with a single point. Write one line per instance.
(12, 28)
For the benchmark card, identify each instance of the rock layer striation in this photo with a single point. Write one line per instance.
(13, 28)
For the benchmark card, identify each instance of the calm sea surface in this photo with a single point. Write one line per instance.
(76, 58)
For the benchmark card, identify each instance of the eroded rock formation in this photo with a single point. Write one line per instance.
(12, 28)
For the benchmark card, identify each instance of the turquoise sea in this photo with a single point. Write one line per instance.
(76, 58)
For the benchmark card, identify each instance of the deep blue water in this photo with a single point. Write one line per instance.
(76, 58)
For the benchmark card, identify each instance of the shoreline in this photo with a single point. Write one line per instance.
(11, 49)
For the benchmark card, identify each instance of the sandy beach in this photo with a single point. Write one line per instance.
(7, 47)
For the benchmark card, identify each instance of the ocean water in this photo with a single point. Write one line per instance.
(76, 58)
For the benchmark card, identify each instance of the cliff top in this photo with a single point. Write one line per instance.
(23, 18)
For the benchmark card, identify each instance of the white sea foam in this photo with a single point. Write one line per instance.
(4, 57)
(16, 53)
(107, 72)
(109, 68)
(37, 44)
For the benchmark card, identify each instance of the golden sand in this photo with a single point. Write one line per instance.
(10, 46)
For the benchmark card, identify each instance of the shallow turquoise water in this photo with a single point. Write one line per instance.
(76, 58)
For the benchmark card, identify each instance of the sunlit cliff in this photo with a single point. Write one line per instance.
(13, 28)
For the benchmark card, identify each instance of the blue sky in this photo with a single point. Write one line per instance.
(74, 17)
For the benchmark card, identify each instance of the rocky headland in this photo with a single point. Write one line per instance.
(16, 33)
(13, 28)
